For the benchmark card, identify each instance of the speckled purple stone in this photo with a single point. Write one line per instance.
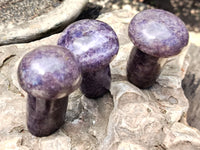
(142, 69)
(94, 43)
(96, 83)
(158, 33)
(44, 117)
(48, 74)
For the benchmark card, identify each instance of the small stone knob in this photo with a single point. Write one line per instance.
(94, 44)
(156, 34)
(48, 74)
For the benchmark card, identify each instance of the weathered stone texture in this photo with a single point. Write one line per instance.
(36, 27)
(128, 118)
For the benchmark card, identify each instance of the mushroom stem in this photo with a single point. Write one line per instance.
(44, 117)
(96, 83)
(143, 69)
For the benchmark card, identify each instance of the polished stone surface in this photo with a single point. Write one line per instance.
(94, 43)
(142, 69)
(95, 84)
(44, 117)
(49, 72)
(158, 33)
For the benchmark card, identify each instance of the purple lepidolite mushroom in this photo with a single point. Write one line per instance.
(48, 74)
(94, 44)
(156, 34)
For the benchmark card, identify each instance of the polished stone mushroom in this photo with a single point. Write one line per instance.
(48, 74)
(156, 34)
(94, 44)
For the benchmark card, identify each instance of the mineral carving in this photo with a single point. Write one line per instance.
(127, 118)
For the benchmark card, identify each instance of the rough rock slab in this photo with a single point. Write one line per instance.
(15, 11)
(128, 118)
(191, 84)
(35, 27)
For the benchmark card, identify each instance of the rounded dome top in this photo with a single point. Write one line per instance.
(94, 43)
(158, 33)
(49, 72)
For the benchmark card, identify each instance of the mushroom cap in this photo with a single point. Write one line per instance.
(94, 43)
(158, 33)
(49, 72)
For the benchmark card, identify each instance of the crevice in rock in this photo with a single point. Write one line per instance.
(190, 85)
(91, 11)
(160, 147)
(11, 87)
(7, 59)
